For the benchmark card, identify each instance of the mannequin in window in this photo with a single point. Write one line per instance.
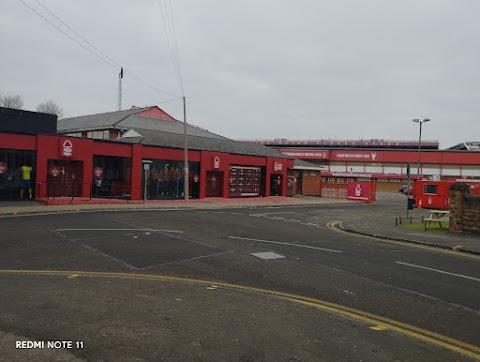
(26, 182)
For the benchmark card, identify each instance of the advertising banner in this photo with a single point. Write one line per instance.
(305, 154)
(361, 191)
(355, 155)
(245, 181)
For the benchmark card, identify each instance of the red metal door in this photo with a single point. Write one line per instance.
(214, 184)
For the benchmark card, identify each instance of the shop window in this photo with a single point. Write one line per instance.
(11, 175)
(111, 176)
(166, 180)
(430, 189)
(99, 135)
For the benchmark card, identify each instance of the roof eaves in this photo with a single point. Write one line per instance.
(308, 168)
(70, 130)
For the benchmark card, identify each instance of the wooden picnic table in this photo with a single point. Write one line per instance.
(437, 216)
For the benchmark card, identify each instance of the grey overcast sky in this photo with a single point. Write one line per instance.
(259, 69)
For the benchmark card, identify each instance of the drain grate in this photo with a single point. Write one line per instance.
(268, 255)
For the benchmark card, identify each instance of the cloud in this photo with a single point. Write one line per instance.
(306, 69)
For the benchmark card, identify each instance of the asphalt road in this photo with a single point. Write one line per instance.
(429, 289)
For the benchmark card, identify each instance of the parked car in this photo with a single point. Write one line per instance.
(407, 191)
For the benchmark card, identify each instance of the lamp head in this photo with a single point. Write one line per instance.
(416, 120)
(426, 120)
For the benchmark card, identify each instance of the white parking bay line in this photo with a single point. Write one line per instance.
(276, 213)
(439, 271)
(152, 230)
(288, 244)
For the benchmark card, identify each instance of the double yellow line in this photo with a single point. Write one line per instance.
(456, 250)
(376, 322)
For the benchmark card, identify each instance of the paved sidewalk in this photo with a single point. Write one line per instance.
(380, 221)
(31, 207)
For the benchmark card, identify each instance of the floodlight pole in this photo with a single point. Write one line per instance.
(185, 150)
(420, 143)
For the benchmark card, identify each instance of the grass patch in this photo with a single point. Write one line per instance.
(434, 226)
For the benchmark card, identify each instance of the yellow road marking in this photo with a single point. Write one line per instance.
(72, 276)
(378, 328)
(369, 318)
(335, 226)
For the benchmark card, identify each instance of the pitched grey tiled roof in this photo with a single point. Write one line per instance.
(94, 121)
(137, 122)
(302, 163)
(220, 144)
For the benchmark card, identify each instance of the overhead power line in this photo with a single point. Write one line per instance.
(170, 33)
(91, 48)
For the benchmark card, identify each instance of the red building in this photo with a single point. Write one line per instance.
(146, 162)
(382, 160)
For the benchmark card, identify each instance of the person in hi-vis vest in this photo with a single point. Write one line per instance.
(26, 183)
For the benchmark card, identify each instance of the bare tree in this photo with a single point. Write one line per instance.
(50, 107)
(15, 102)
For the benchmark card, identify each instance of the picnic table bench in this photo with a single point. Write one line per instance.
(437, 216)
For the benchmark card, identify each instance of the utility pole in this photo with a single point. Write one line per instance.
(185, 150)
(119, 94)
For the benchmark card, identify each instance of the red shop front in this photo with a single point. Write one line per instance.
(86, 168)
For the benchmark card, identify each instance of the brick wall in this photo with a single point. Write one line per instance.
(311, 185)
(464, 210)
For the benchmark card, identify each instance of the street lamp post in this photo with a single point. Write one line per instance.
(420, 143)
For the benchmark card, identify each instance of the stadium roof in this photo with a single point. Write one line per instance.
(327, 144)
(466, 146)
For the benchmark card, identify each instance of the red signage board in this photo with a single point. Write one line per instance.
(66, 148)
(216, 162)
(348, 155)
(324, 155)
(361, 191)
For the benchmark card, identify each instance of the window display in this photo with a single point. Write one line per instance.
(165, 180)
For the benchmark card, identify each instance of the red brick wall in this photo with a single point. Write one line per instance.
(311, 185)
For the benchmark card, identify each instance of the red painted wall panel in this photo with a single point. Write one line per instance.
(48, 148)
(112, 149)
(18, 142)
(137, 172)
(158, 153)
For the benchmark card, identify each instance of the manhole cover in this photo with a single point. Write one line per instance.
(268, 255)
